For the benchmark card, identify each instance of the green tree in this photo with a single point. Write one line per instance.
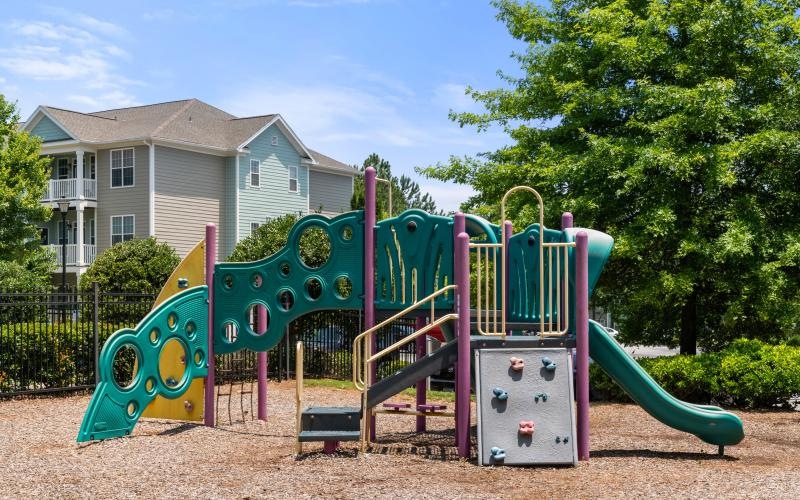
(315, 247)
(673, 126)
(405, 192)
(23, 182)
(139, 265)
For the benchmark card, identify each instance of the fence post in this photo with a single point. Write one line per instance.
(96, 329)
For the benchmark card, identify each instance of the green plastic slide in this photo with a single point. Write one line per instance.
(711, 424)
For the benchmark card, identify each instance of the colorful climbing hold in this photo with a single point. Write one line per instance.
(500, 394)
(498, 454)
(517, 364)
(526, 427)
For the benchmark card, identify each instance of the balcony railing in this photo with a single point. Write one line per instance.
(89, 252)
(71, 189)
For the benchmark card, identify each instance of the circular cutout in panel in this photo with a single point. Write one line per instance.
(314, 246)
(132, 407)
(199, 357)
(150, 385)
(254, 321)
(286, 300)
(347, 233)
(191, 328)
(230, 332)
(284, 268)
(256, 280)
(227, 281)
(155, 336)
(313, 288)
(343, 287)
(123, 366)
(172, 321)
(172, 363)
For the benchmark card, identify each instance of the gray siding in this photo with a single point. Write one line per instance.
(189, 191)
(330, 193)
(272, 198)
(122, 201)
(49, 131)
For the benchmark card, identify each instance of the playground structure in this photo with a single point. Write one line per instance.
(531, 292)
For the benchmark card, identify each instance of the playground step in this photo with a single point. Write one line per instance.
(309, 436)
(435, 362)
(331, 418)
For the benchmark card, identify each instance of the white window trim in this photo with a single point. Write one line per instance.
(296, 178)
(111, 227)
(111, 168)
(250, 174)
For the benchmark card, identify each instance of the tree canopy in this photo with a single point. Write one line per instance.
(672, 126)
(315, 247)
(23, 182)
(405, 192)
(138, 265)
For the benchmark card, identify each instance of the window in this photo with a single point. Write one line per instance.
(274, 140)
(293, 179)
(63, 168)
(70, 233)
(253, 227)
(121, 228)
(91, 235)
(255, 175)
(121, 168)
(44, 236)
(92, 167)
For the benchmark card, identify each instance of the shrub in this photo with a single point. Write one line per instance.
(141, 266)
(747, 374)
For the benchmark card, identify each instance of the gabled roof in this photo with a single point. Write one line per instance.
(331, 164)
(189, 121)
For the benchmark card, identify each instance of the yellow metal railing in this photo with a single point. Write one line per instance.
(486, 289)
(363, 357)
(298, 395)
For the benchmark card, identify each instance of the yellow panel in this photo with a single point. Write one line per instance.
(190, 405)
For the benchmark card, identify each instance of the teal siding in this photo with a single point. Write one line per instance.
(273, 197)
(49, 131)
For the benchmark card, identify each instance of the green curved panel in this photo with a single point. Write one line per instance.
(114, 410)
(413, 243)
(478, 226)
(711, 424)
(270, 281)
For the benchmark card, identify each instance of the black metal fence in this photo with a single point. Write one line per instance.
(50, 341)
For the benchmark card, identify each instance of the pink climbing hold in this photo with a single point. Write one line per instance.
(517, 364)
(526, 427)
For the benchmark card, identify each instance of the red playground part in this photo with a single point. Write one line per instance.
(397, 406)
(431, 407)
(436, 332)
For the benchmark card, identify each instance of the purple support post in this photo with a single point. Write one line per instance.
(508, 228)
(464, 362)
(566, 220)
(459, 226)
(262, 367)
(582, 333)
(422, 386)
(211, 260)
(369, 270)
(329, 447)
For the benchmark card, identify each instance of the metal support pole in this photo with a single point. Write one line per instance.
(422, 385)
(211, 259)
(508, 230)
(369, 274)
(96, 328)
(463, 375)
(262, 366)
(459, 226)
(582, 333)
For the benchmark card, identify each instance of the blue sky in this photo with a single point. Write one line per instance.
(350, 76)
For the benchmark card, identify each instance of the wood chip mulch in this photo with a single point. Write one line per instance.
(633, 455)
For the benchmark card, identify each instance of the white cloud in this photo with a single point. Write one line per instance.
(451, 96)
(75, 53)
(448, 197)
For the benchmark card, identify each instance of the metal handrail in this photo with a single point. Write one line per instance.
(358, 379)
(298, 395)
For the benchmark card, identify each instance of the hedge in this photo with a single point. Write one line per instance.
(747, 374)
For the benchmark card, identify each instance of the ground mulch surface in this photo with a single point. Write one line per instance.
(632, 455)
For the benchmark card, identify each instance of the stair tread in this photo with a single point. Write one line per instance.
(306, 436)
(332, 410)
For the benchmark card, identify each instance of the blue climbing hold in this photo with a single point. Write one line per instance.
(500, 394)
(498, 454)
(547, 361)
(550, 367)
